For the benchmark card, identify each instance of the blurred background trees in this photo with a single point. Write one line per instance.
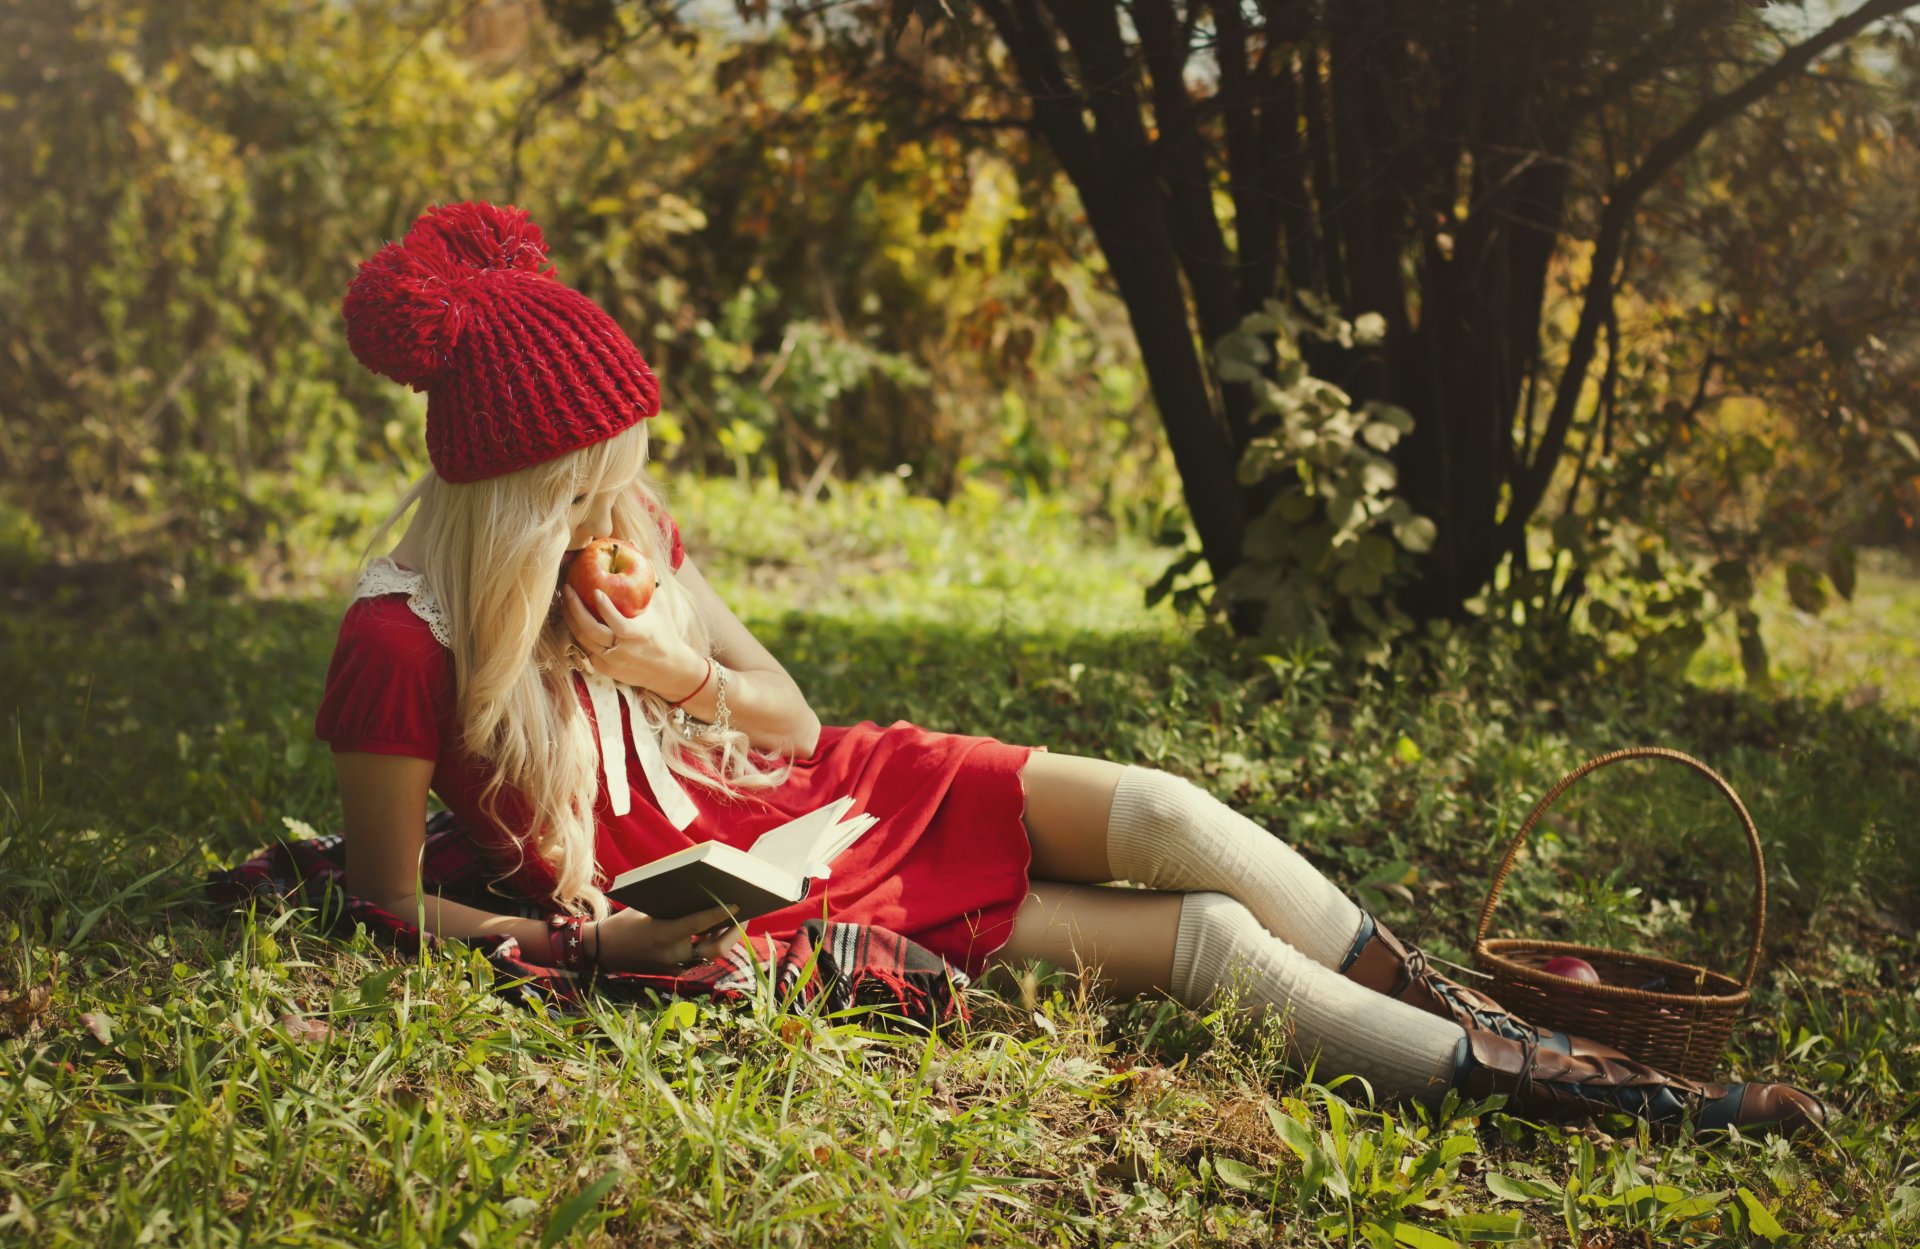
(1564, 219)
(1608, 308)
(190, 187)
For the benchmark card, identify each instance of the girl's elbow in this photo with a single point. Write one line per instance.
(807, 740)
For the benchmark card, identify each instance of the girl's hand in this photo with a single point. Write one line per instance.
(648, 652)
(630, 941)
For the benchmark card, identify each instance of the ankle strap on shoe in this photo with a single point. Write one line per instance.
(1463, 1063)
(1367, 928)
(1723, 1112)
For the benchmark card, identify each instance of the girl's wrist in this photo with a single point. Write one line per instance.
(706, 677)
(567, 942)
(688, 678)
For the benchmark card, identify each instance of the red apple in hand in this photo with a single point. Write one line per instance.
(1572, 968)
(616, 567)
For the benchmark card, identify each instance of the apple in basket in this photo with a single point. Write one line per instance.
(1571, 968)
(615, 566)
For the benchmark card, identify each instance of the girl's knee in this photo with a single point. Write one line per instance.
(1161, 797)
(1219, 916)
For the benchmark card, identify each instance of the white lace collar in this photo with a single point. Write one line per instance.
(383, 576)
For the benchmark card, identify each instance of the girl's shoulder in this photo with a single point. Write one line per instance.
(394, 606)
(390, 683)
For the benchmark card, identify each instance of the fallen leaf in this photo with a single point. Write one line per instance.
(21, 1011)
(100, 1024)
(305, 1030)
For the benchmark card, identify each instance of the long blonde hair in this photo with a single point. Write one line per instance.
(492, 551)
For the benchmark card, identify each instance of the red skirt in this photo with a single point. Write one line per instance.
(946, 865)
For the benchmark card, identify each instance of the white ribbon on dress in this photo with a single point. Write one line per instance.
(667, 792)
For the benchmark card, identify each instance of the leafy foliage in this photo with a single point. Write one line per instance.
(191, 188)
(1500, 192)
(1755, 410)
(1326, 555)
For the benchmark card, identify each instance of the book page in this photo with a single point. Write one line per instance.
(837, 838)
(796, 845)
(844, 834)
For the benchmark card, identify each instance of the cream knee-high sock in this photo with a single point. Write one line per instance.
(1402, 1052)
(1168, 833)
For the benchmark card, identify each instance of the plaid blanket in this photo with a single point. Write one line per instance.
(852, 964)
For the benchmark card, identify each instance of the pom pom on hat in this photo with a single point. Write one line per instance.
(484, 236)
(409, 302)
(518, 368)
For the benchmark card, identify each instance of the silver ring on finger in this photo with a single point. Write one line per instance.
(610, 646)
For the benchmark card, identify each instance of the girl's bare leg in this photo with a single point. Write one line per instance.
(1096, 820)
(1122, 939)
(1139, 942)
(1069, 803)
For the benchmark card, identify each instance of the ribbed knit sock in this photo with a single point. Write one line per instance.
(1400, 1051)
(1168, 833)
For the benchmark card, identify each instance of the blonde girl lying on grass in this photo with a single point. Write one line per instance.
(573, 742)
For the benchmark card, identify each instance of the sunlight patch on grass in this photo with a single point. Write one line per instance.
(1863, 652)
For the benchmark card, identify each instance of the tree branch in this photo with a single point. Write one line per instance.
(1251, 163)
(1056, 105)
(1530, 482)
(1185, 177)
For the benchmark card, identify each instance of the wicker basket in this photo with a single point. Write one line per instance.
(1670, 1015)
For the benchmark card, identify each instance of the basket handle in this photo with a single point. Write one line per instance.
(1643, 752)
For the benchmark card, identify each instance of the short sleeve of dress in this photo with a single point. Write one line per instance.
(676, 551)
(389, 687)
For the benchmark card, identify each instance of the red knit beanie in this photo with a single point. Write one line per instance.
(517, 368)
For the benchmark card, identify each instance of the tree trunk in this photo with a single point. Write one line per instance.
(1130, 220)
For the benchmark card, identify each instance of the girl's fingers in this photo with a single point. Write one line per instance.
(578, 607)
(589, 625)
(716, 946)
(701, 921)
(612, 618)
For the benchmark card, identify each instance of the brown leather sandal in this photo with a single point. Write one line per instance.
(1382, 962)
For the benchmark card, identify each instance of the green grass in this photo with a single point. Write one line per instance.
(175, 1088)
(1863, 652)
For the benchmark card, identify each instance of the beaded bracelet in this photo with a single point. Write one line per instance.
(564, 949)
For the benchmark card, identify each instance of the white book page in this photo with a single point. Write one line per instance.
(795, 845)
(844, 834)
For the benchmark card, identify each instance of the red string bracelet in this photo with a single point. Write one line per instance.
(699, 687)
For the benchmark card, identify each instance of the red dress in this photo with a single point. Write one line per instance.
(946, 865)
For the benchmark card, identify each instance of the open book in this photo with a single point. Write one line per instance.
(773, 873)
